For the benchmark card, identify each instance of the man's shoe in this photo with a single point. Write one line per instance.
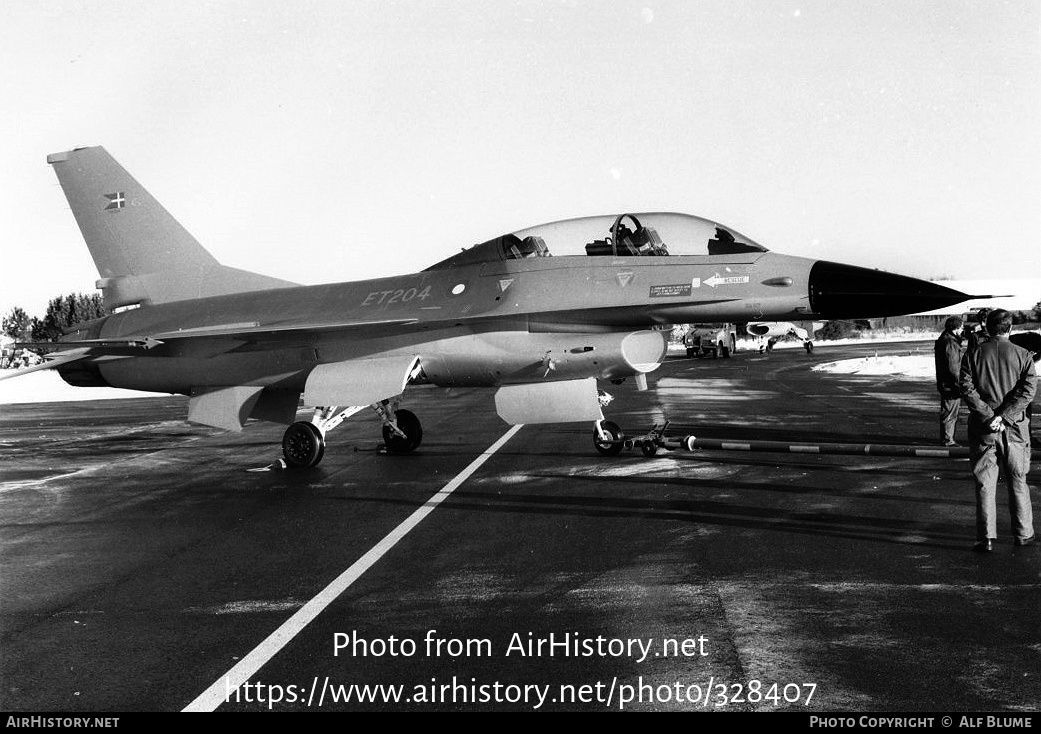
(951, 443)
(1025, 541)
(983, 546)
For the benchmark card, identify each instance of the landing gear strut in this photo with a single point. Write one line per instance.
(303, 443)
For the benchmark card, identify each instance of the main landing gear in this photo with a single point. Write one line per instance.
(402, 433)
(303, 443)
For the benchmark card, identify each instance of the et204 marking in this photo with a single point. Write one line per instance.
(401, 295)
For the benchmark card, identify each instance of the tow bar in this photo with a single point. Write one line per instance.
(649, 443)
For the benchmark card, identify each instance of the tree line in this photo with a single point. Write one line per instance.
(62, 313)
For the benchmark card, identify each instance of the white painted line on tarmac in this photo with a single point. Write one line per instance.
(217, 693)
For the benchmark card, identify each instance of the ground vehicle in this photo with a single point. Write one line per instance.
(719, 339)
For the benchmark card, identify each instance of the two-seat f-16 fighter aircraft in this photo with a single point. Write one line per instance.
(540, 314)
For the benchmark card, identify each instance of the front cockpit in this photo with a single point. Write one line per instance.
(659, 234)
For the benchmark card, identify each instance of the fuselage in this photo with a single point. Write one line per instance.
(483, 324)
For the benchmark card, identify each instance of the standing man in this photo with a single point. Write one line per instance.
(947, 353)
(997, 383)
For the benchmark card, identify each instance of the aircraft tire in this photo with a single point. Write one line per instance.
(303, 445)
(410, 426)
(615, 445)
(809, 347)
(649, 448)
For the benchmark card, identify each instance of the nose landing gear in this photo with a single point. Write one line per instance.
(608, 438)
(610, 441)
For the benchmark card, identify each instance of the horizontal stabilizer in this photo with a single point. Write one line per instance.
(568, 401)
(68, 357)
(96, 345)
(358, 381)
(223, 407)
(277, 406)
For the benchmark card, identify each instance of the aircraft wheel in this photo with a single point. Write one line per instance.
(649, 448)
(809, 347)
(303, 445)
(410, 426)
(612, 447)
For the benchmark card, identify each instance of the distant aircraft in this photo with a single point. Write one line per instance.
(771, 331)
(502, 314)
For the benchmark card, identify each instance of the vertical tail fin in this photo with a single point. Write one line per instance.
(142, 253)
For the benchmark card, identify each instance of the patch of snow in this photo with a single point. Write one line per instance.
(47, 386)
(915, 366)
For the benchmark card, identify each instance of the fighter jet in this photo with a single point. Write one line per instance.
(539, 314)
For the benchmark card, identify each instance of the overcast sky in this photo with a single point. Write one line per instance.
(327, 141)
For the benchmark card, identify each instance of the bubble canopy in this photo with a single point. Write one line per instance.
(654, 234)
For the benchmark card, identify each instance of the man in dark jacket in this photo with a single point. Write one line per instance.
(998, 381)
(947, 353)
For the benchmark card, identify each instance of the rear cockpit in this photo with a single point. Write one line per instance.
(658, 234)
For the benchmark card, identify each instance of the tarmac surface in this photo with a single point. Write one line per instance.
(141, 560)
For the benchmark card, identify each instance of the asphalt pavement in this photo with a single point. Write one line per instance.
(147, 564)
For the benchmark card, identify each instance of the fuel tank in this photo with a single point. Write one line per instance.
(503, 358)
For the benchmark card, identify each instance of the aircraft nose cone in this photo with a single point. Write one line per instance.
(840, 291)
